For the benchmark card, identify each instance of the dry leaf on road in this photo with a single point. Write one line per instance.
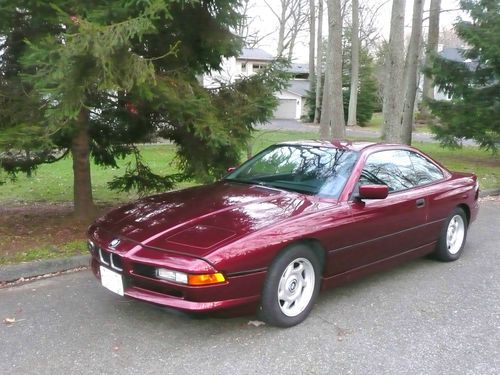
(255, 323)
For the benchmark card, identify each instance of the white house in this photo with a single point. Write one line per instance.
(250, 61)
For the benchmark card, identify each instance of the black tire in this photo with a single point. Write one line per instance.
(278, 311)
(455, 227)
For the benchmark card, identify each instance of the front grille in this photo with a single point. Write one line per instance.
(111, 259)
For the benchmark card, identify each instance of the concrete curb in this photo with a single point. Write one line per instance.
(14, 272)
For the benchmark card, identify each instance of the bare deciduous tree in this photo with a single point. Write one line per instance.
(432, 44)
(394, 67)
(292, 17)
(250, 35)
(411, 67)
(332, 112)
(319, 62)
(353, 99)
(312, 41)
(369, 23)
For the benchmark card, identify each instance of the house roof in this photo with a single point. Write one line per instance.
(453, 54)
(456, 54)
(255, 54)
(298, 86)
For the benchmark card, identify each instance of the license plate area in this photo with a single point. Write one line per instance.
(112, 280)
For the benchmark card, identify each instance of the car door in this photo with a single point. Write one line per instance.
(384, 228)
(430, 178)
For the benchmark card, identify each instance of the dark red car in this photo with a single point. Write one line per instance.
(296, 218)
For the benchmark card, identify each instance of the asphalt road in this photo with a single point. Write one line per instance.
(424, 317)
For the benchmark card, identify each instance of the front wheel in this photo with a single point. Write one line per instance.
(452, 240)
(291, 287)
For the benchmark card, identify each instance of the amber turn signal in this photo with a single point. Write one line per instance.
(207, 279)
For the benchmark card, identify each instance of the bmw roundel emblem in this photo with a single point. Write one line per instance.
(114, 243)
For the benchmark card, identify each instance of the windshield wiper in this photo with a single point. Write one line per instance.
(250, 182)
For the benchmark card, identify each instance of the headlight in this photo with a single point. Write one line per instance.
(189, 279)
(178, 277)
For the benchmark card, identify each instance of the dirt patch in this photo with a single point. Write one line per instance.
(28, 226)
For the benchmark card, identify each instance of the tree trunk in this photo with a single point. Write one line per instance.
(319, 63)
(432, 47)
(291, 44)
(394, 67)
(411, 74)
(249, 149)
(353, 99)
(80, 151)
(281, 30)
(312, 40)
(332, 114)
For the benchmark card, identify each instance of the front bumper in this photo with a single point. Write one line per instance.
(141, 283)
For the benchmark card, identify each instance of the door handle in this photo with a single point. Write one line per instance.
(420, 202)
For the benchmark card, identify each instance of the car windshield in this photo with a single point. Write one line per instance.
(307, 169)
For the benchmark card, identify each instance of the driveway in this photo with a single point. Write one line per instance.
(424, 317)
(358, 132)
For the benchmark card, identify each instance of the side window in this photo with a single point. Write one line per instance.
(425, 171)
(393, 168)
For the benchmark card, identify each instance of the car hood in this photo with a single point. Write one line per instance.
(199, 219)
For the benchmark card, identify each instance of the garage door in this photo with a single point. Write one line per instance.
(285, 109)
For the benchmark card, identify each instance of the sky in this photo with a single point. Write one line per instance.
(265, 22)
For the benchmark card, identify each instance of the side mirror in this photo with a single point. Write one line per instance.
(373, 192)
(230, 169)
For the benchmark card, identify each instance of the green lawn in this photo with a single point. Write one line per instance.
(376, 123)
(53, 182)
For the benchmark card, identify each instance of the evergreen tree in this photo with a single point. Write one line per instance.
(104, 75)
(368, 99)
(473, 86)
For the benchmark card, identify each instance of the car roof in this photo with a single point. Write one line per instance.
(348, 145)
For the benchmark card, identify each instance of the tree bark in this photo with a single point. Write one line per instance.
(312, 40)
(394, 67)
(353, 99)
(80, 150)
(319, 63)
(411, 74)
(332, 114)
(432, 46)
(281, 30)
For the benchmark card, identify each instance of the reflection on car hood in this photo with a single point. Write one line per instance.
(198, 219)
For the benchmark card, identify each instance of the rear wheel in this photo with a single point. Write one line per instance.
(452, 240)
(291, 287)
